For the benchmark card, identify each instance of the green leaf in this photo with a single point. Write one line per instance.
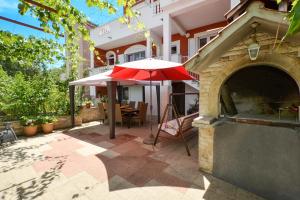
(294, 18)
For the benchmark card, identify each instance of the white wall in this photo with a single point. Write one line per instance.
(117, 31)
(234, 3)
(135, 93)
(154, 100)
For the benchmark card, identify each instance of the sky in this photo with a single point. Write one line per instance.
(9, 9)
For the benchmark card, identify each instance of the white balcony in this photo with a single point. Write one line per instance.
(97, 70)
(115, 34)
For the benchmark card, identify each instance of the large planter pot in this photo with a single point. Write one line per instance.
(30, 130)
(48, 128)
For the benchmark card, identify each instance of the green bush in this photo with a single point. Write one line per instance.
(44, 119)
(28, 121)
(32, 96)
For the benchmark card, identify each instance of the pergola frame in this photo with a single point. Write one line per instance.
(111, 91)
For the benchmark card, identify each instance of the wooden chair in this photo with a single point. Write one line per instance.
(144, 110)
(139, 105)
(139, 117)
(119, 117)
(105, 106)
(123, 102)
(102, 112)
(132, 104)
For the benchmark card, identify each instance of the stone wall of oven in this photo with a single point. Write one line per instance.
(285, 57)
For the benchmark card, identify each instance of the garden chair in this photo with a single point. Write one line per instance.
(139, 105)
(145, 109)
(119, 116)
(105, 106)
(124, 102)
(102, 112)
(140, 116)
(132, 104)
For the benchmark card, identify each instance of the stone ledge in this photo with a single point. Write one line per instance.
(203, 120)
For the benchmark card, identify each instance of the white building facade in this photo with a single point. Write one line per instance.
(177, 29)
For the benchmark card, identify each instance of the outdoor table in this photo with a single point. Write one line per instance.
(129, 112)
(124, 106)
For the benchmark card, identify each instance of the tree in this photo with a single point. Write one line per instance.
(59, 17)
(27, 55)
(294, 18)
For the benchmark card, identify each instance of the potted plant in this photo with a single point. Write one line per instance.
(29, 125)
(88, 103)
(47, 123)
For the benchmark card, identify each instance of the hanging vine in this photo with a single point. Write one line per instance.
(60, 17)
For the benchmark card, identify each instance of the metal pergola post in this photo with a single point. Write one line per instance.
(158, 102)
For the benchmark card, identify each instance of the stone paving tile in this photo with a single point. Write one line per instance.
(90, 150)
(83, 163)
(105, 144)
(110, 154)
(117, 182)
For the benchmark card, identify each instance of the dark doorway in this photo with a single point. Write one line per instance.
(179, 87)
(260, 91)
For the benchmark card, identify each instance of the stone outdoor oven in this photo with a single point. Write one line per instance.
(262, 154)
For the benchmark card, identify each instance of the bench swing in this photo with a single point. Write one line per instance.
(178, 126)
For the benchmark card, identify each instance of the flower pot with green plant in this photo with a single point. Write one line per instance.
(88, 103)
(29, 125)
(47, 123)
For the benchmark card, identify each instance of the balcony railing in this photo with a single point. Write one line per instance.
(183, 60)
(174, 58)
(100, 69)
(156, 7)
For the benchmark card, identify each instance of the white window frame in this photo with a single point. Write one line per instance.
(108, 55)
(177, 44)
(206, 34)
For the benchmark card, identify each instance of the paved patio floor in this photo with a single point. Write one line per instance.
(83, 163)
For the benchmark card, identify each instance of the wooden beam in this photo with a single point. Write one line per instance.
(54, 11)
(111, 90)
(24, 24)
(41, 5)
(72, 103)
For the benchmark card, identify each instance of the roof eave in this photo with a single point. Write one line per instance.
(213, 49)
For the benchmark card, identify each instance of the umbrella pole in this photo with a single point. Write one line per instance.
(150, 139)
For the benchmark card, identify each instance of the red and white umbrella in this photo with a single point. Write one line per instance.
(151, 70)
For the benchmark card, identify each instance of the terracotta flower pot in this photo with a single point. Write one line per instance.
(88, 105)
(48, 128)
(30, 130)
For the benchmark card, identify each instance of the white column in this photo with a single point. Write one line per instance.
(167, 36)
(166, 89)
(149, 46)
(158, 49)
(92, 65)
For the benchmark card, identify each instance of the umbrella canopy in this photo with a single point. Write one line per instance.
(151, 69)
(102, 78)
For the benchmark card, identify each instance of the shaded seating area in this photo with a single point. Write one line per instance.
(139, 116)
(114, 114)
(125, 114)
